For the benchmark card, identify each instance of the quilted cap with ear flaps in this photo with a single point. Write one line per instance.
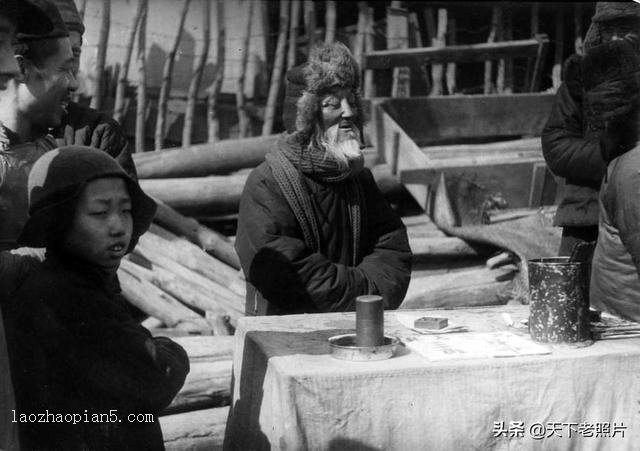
(59, 176)
(70, 15)
(58, 29)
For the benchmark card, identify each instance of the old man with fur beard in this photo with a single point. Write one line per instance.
(314, 231)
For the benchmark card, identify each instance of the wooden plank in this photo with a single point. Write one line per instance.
(207, 385)
(441, 120)
(386, 59)
(441, 246)
(198, 430)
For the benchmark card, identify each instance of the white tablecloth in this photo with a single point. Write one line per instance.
(290, 394)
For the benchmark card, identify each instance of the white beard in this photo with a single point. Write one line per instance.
(345, 148)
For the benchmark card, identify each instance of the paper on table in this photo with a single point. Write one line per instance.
(475, 345)
(407, 319)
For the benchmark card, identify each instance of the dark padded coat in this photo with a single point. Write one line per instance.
(84, 126)
(572, 150)
(290, 278)
(75, 348)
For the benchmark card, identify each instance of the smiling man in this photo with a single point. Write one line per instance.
(31, 104)
(314, 231)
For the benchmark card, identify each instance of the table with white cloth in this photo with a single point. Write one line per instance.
(289, 393)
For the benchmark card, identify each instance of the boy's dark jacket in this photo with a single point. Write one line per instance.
(75, 348)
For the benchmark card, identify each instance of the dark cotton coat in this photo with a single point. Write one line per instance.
(84, 126)
(289, 277)
(74, 348)
(572, 150)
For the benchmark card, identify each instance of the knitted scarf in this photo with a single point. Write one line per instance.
(291, 160)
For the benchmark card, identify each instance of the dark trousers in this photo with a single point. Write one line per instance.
(574, 235)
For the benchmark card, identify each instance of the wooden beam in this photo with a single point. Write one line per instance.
(386, 59)
(458, 117)
(196, 430)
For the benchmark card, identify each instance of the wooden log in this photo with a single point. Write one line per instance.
(165, 88)
(510, 149)
(155, 302)
(207, 385)
(450, 74)
(243, 113)
(479, 286)
(558, 58)
(207, 349)
(220, 323)
(119, 107)
(386, 59)
(229, 302)
(204, 159)
(196, 76)
(152, 323)
(330, 22)
(577, 25)
(437, 44)
(398, 38)
(441, 247)
(194, 258)
(294, 28)
(141, 104)
(209, 240)
(310, 23)
(369, 85)
(216, 193)
(510, 214)
(103, 42)
(501, 259)
(507, 35)
(358, 46)
(276, 75)
(214, 90)
(496, 13)
(198, 430)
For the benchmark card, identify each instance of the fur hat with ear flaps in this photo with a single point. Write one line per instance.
(329, 66)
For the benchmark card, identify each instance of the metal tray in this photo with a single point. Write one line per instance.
(344, 347)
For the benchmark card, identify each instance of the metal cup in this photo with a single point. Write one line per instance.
(369, 320)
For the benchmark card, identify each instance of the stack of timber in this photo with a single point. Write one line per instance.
(197, 416)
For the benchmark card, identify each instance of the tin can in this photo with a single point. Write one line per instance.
(369, 320)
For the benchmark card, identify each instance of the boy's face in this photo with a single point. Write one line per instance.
(102, 225)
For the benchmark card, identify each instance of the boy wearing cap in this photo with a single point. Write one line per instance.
(74, 346)
(82, 125)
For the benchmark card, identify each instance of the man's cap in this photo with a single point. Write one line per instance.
(59, 176)
(70, 15)
(58, 28)
(606, 11)
(27, 17)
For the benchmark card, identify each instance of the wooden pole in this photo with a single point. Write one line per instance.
(196, 78)
(358, 46)
(414, 29)
(501, 62)
(214, 90)
(451, 67)
(535, 18)
(82, 9)
(243, 115)
(577, 20)
(103, 42)
(142, 80)
(369, 86)
(508, 62)
(496, 13)
(118, 109)
(559, 50)
(398, 37)
(330, 22)
(165, 89)
(294, 27)
(310, 22)
(439, 41)
(278, 65)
